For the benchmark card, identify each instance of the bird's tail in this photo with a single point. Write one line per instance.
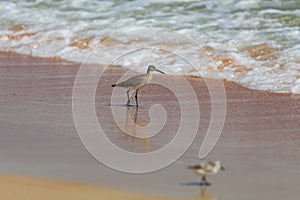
(113, 85)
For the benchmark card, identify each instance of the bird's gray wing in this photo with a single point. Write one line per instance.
(133, 81)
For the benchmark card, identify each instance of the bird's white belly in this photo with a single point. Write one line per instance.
(205, 173)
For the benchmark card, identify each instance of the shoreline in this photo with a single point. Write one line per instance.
(38, 138)
(126, 69)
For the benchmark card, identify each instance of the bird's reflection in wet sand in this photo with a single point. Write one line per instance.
(132, 130)
(204, 195)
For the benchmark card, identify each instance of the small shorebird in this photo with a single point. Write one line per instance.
(137, 82)
(206, 169)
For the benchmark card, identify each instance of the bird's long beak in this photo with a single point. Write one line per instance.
(160, 71)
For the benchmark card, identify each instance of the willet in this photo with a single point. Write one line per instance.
(137, 82)
(207, 169)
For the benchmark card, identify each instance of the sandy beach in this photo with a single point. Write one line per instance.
(259, 145)
(19, 187)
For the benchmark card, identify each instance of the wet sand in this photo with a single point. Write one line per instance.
(259, 145)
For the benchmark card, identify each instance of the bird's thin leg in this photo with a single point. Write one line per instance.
(136, 92)
(128, 101)
(204, 181)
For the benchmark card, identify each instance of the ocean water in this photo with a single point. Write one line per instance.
(255, 43)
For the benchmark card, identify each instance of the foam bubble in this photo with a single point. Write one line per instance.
(254, 43)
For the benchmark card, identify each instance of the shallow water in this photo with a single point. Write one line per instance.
(254, 43)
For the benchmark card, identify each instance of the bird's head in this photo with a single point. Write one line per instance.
(219, 165)
(152, 68)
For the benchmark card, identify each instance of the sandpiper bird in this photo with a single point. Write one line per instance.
(206, 169)
(137, 82)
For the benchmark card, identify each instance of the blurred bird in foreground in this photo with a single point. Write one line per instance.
(207, 169)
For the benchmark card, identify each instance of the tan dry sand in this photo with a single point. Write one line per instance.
(26, 188)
